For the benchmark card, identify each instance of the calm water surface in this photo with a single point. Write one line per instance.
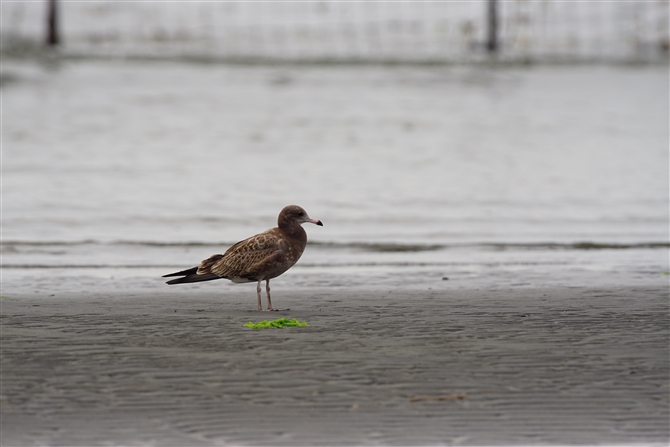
(114, 173)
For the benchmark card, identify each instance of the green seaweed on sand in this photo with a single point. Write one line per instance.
(279, 324)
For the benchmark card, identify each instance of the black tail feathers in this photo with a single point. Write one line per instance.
(190, 271)
(191, 275)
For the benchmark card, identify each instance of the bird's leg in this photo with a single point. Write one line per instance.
(267, 291)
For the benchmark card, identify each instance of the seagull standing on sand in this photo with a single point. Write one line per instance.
(258, 258)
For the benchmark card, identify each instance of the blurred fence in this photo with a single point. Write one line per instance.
(319, 31)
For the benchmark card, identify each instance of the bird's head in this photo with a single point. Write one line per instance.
(295, 215)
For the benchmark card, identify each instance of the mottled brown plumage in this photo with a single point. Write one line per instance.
(258, 258)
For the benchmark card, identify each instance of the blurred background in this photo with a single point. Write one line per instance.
(494, 143)
(332, 31)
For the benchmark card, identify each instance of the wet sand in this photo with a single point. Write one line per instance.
(374, 367)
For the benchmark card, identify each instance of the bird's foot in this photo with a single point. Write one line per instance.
(272, 309)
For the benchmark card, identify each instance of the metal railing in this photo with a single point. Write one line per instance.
(322, 31)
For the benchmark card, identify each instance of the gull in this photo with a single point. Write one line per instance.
(256, 259)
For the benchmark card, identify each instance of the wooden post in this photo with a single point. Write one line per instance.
(492, 38)
(52, 24)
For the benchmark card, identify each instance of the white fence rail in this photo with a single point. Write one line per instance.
(412, 31)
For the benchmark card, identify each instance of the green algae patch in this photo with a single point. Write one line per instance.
(279, 323)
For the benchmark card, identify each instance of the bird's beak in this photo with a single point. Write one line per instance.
(315, 222)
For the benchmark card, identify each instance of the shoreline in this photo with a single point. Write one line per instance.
(552, 366)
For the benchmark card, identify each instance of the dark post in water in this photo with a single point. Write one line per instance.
(492, 38)
(52, 24)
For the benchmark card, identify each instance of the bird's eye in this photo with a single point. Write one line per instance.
(300, 213)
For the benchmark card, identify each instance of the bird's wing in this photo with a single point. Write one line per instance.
(248, 257)
(205, 266)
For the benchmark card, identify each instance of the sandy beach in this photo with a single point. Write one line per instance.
(569, 365)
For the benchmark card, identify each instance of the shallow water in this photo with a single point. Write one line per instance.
(487, 176)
